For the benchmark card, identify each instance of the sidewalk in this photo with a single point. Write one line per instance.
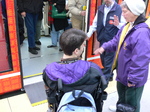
(12, 104)
(145, 101)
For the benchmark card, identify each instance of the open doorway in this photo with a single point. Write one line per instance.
(33, 65)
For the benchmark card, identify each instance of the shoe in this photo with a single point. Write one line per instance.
(49, 46)
(50, 110)
(36, 48)
(112, 108)
(33, 51)
(60, 49)
(38, 42)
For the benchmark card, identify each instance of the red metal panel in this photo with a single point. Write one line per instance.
(148, 9)
(119, 1)
(92, 43)
(4, 65)
(10, 84)
(12, 80)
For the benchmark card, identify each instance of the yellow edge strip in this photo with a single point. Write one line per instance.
(32, 75)
(38, 103)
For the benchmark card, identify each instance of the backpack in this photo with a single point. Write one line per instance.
(66, 104)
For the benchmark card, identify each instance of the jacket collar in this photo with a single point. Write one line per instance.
(112, 9)
(139, 20)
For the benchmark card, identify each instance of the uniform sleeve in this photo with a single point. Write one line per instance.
(92, 27)
(20, 6)
(140, 57)
(72, 7)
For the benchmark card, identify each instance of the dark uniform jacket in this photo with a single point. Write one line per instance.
(107, 32)
(30, 6)
(60, 24)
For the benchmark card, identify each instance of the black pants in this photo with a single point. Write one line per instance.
(107, 60)
(130, 95)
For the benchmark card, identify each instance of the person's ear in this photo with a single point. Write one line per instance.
(76, 51)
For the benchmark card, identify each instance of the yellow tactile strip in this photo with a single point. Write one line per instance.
(28, 76)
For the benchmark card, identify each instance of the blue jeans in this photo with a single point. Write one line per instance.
(30, 22)
(55, 35)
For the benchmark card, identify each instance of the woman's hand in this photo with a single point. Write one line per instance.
(131, 85)
(116, 20)
(99, 51)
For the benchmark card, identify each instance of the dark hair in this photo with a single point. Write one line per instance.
(71, 39)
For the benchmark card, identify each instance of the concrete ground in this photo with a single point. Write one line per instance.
(112, 97)
(13, 104)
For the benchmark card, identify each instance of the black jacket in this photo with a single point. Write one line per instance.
(60, 24)
(30, 6)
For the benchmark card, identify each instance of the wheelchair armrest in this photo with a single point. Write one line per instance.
(104, 82)
(59, 84)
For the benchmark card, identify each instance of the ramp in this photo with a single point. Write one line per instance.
(36, 93)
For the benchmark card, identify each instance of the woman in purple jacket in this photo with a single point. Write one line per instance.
(132, 46)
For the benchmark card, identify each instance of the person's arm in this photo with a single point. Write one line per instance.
(110, 45)
(60, 5)
(73, 9)
(107, 46)
(21, 8)
(92, 27)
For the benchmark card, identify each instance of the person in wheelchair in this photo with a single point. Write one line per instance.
(75, 74)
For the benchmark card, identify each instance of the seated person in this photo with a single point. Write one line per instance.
(71, 69)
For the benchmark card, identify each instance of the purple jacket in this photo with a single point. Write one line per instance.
(70, 73)
(134, 55)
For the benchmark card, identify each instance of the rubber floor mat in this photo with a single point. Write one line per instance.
(36, 93)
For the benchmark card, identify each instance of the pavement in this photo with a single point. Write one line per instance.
(145, 100)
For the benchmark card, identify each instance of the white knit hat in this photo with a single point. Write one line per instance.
(137, 7)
